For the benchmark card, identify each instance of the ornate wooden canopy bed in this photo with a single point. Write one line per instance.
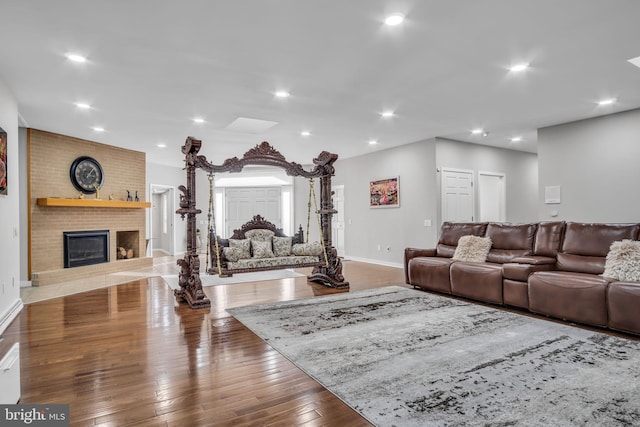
(327, 266)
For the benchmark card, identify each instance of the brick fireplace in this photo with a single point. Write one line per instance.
(51, 156)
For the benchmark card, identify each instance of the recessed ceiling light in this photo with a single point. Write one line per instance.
(98, 129)
(477, 131)
(75, 57)
(516, 139)
(394, 19)
(83, 105)
(607, 101)
(373, 142)
(161, 145)
(305, 133)
(282, 94)
(519, 67)
(198, 120)
(387, 114)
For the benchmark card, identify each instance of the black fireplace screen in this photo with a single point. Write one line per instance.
(85, 247)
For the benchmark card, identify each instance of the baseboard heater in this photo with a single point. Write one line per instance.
(10, 376)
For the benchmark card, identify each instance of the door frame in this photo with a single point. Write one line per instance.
(171, 207)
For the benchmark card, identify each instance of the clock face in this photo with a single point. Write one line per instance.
(86, 174)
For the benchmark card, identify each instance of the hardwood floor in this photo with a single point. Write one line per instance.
(130, 355)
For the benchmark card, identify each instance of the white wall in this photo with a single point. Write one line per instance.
(392, 228)
(10, 303)
(596, 162)
(417, 166)
(520, 168)
(173, 177)
(24, 207)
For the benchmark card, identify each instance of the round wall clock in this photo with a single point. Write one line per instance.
(86, 174)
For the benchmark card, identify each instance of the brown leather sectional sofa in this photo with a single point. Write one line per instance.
(550, 268)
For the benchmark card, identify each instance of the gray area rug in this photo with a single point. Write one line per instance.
(403, 357)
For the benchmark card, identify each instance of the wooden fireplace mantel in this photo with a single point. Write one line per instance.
(91, 203)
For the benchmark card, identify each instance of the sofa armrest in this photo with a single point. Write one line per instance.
(534, 260)
(522, 267)
(410, 253)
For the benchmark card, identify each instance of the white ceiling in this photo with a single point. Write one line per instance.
(154, 65)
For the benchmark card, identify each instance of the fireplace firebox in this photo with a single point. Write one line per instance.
(85, 247)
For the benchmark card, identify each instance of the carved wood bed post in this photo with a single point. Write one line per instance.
(189, 278)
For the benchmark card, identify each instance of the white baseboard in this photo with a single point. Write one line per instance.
(375, 261)
(7, 317)
(25, 283)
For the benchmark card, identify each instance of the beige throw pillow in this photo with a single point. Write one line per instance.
(282, 246)
(623, 261)
(261, 234)
(244, 245)
(310, 248)
(472, 249)
(232, 254)
(261, 249)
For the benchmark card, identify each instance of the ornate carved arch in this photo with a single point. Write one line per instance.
(263, 154)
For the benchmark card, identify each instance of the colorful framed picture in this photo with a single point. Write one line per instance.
(384, 193)
(3, 162)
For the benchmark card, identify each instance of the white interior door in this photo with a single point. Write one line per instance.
(492, 196)
(456, 192)
(243, 203)
(337, 221)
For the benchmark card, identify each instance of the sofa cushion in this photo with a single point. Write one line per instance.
(623, 261)
(480, 281)
(590, 239)
(548, 238)
(450, 233)
(244, 245)
(261, 249)
(272, 263)
(282, 246)
(571, 296)
(586, 245)
(623, 300)
(261, 234)
(430, 273)
(510, 241)
(311, 248)
(472, 249)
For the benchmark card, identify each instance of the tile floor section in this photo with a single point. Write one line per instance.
(162, 265)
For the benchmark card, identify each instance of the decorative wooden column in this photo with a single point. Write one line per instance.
(330, 274)
(189, 278)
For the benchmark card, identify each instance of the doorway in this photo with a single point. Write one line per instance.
(337, 220)
(492, 196)
(161, 221)
(241, 204)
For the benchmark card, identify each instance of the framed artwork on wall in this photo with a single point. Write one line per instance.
(3, 162)
(384, 193)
